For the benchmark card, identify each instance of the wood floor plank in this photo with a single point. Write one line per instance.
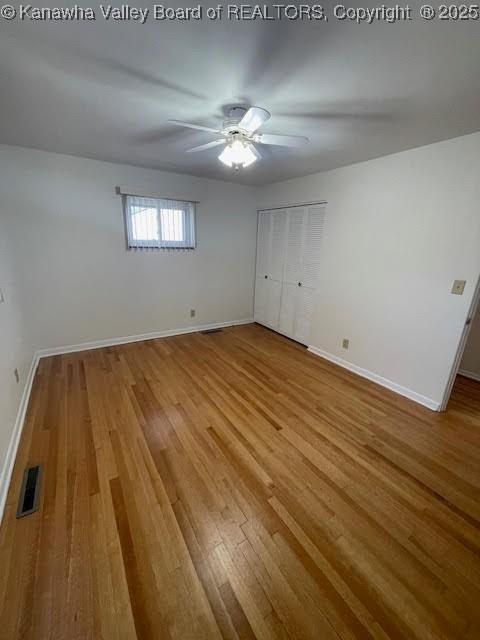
(232, 485)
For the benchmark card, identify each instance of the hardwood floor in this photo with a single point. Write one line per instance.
(232, 485)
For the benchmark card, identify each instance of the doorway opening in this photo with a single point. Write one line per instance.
(464, 381)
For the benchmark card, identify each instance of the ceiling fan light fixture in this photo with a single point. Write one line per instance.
(239, 133)
(237, 154)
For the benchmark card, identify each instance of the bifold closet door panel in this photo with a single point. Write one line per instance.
(294, 245)
(276, 257)
(288, 309)
(263, 251)
(273, 297)
(292, 271)
(276, 263)
(263, 245)
(313, 230)
(303, 315)
(260, 304)
(312, 245)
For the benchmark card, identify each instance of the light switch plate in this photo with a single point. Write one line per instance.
(459, 287)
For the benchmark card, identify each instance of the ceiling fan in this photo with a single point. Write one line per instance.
(239, 133)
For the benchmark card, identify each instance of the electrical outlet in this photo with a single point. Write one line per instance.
(345, 343)
(459, 287)
(17, 376)
(192, 313)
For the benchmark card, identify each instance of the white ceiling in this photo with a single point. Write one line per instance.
(106, 90)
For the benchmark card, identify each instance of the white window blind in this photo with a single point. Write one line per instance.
(158, 223)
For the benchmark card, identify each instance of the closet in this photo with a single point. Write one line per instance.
(287, 270)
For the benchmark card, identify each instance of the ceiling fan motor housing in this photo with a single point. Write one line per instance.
(235, 114)
(231, 125)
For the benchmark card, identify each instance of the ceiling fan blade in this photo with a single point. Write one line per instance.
(189, 125)
(256, 152)
(209, 145)
(253, 119)
(282, 141)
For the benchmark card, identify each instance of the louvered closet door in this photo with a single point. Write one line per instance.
(292, 271)
(276, 260)
(288, 262)
(313, 229)
(263, 249)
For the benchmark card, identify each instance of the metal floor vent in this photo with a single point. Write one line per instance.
(211, 331)
(30, 493)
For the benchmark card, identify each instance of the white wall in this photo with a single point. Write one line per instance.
(399, 230)
(16, 351)
(471, 356)
(81, 284)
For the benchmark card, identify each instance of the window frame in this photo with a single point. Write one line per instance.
(188, 210)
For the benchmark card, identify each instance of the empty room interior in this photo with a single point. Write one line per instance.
(239, 321)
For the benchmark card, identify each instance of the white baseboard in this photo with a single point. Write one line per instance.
(110, 342)
(469, 374)
(11, 456)
(384, 382)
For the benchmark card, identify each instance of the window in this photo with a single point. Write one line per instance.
(159, 223)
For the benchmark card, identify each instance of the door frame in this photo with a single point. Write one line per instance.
(474, 306)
